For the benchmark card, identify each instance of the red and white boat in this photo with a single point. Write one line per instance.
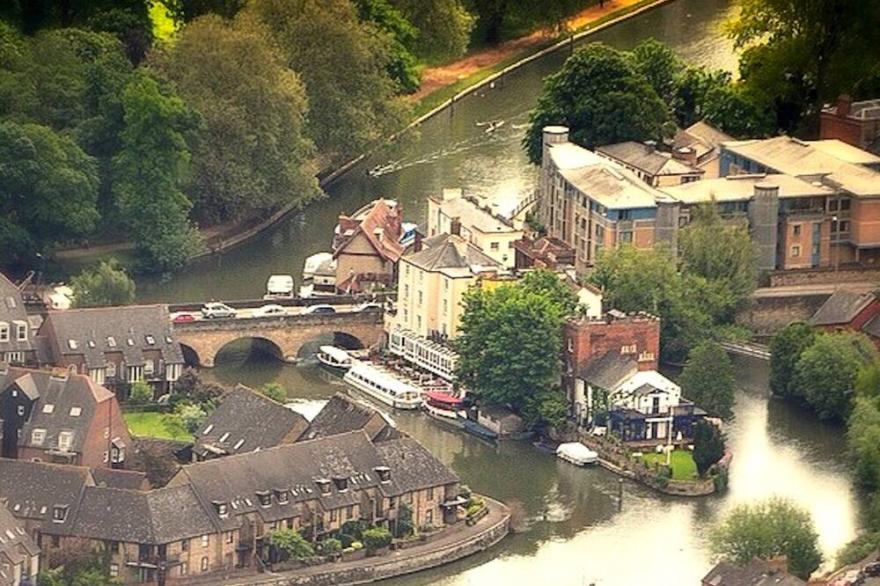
(443, 406)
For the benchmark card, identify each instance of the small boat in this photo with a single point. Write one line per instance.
(577, 453)
(480, 431)
(333, 357)
(279, 287)
(443, 406)
(383, 386)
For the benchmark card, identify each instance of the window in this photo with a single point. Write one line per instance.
(494, 246)
(114, 547)
(65, 441)
(429, 516)
(230, 536)
(431, 493)
(204, 564)
(795, 251)
(204, 541)
(421, 298)
(20, 410)
(48, 408)
(114, 570)
(75, 411)
(4, 332)
(38, 436)
(349, 511)
(111, 369)
(149, 367)
(72, 344)
(59, 513)
(184, 568)
(21, 331)
(150, 339)
(796, 230)
(444, 306)
(184, 545)
(626, 237)
(333, 515)
(111, 341)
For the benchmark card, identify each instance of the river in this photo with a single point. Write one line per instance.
(574, 534)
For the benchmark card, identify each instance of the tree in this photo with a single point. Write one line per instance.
(660, 66)
(48, 190)
(403, 66)
(275, 392)
(189, 417)
(290, 544)
(708, 379)
(863, 439)
(510, 342)
(106, 284)
(141, 392)
(721, 253)
(344, 65)
(150, 171)
(377, 538)
(694, 85)
(252, 155)
(184, 11)
(766, 529)
(602, 99)
(444, 27)
(786, 348)
(708, 446)
(737, 111)
(826, 372)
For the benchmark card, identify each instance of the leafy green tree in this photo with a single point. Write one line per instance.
(602, 98)
(734, 109)
(377, 538)
(403, 66)
(548, 283)
(786, 348)
(252, 155)
(275, 392)
(344, 65)
(290, 544)
(708, 379)
(767, 529)
(858, 549)
(106, 284)
(184, 11)
(694, 85)
(863, 439)
(189, 417)
(444, 27)
(660, 66)
(141, 392)
(708, 446)
(826, 372)
(723, 254)
(48, 190)
(510, 341)
(150, 171)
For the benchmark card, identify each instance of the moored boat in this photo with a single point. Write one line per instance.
(333, 357)
(443, 406)
(383, 386)
(577, 453)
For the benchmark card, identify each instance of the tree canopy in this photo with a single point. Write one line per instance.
(708, 379)
(767, 529)
(444, 27)
(708, 445)
(106, 284)
(786, 348)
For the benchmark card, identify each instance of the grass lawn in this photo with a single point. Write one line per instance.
(151, 424)
(683, 466)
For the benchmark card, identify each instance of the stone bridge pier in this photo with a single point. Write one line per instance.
(284, 336)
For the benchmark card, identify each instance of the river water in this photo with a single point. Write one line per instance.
(573, 533)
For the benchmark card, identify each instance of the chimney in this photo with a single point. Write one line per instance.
(379, 233)
(652, 145)
(384, 473)
(686, 154)
(455, 226)
(844, 105)
(552, 135)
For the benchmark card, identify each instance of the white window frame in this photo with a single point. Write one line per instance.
(65, 441)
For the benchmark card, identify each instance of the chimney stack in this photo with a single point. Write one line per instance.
(455, 226)
(844, 105)
(686, 154)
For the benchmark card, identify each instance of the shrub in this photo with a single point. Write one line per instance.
(290, 544)
(464, 491)
(357, 545)
(404, 522)
(355, 528)
(376, 538)
(331, 546)
(346, 540)
(141, 392)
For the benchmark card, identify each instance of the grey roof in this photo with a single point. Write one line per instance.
(755, 573)
(646, 158)
(156, 517)
(609, 370)
(343, 415)
(613, 186)
(133, 330)
(246, 421)
(126, 479)
(841, 308)
(31, 489)
(15, 542)
(703, 138)
(872, 328)
(75, 400)
(452, 252)
(12, 310)
(412, 466)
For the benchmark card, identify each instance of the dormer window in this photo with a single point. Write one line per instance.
(208, 429)
(221, 508)
(282, 496)
(384, 473)
(48, 408)
(75, 411)
(65, 441)
(324, 486)
(92, 344)
(150, 339)
(38, 436)
(265, 498)
(21, 331)
(111, 341)
(4, 331)
(72, 344)
(341, 483)
(238, 444)
(59, 513)
(130, 342)
(224, 437)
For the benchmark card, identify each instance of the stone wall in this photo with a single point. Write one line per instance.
(824, 276)
(766, 315)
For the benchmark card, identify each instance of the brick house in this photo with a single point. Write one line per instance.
(116, 346)
(855, 123)
(17, 344)
(366, 246)
(19, 555)
(60, 417)
(246, 421)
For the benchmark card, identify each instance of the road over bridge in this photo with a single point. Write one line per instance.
(284, 335)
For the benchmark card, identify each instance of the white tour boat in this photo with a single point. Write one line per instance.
(334, 357)
(383, 386)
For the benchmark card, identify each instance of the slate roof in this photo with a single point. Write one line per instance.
(646, 159)
(872, 328)
(452, 253)
(609, 370)
(131, 330)
(31, 489)
(412, 466)
(156, 517)
(841, 308)
(125, 479)
(246, 421)
(76, 401)
(755, 573)
(384, 217)
(12, 310)
(343, 415)
(703, 138)
(14, 542)
(472, 215)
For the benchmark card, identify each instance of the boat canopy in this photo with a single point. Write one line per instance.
(576, 452)
(337, 354)
(382, 378)
(440, 397)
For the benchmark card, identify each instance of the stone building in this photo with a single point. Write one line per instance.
(60, 417)
(366, 246)
(19, 555)
(116, 346)
(17, 344)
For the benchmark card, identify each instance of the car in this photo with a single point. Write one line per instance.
(369, 306)
(320, 309)
(216, 310)
(269, 310)
(183, 318)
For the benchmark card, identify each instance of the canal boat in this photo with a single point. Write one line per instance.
(577, 454)
(382, 386)
(333, 357)
(443, 406)
(480, 431)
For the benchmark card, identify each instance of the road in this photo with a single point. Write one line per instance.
(269, 310)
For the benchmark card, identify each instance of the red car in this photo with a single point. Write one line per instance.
(183, 318)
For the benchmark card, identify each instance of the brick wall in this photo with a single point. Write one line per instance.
(584, 339)
(824, 276)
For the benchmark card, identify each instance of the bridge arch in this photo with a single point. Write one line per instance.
(190, 355)
(262, 344)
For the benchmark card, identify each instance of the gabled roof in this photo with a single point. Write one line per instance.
(412, 466)
(30, 490)
(703, 138)
(343, 415)
(14, 542)
(755, 573)
(12, 310)
(126, 479)
(380, 225)
(842, 307)
(452, 254)
(246, 421)
(609, 370)
(646, 158)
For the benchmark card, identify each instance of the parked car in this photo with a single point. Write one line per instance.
(369, 306)
(183, 318)
(216, 310)
(269, 310)
(320, 309)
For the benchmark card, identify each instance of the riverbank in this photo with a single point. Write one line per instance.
(443, 87)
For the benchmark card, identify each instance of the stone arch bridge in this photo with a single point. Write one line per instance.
(285, 335)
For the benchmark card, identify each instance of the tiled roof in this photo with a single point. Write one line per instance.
(704, 139)
(130, 330)
(12, 310)
(246, 421)
(30, 490)
(127, 479)
(382, 218)
(454, 253)
(343, 415)
(609, 370)
(412, 466)
(841, 308)
(646, 158)
(14, 541)
(755, 573)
